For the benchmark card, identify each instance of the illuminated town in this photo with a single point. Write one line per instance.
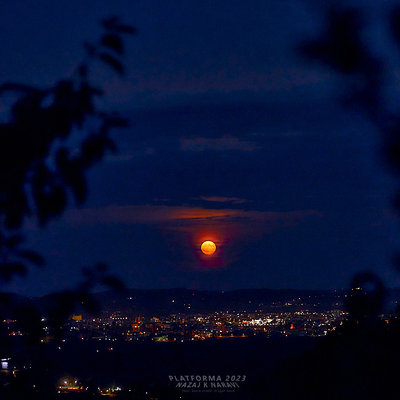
(117, 326)
(112, 329)
(120, 333)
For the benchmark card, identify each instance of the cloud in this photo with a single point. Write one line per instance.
(222, 199)
(141, 214)
(189, 217)
(217, 144)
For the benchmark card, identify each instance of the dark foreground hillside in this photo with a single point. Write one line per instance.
(157, 368)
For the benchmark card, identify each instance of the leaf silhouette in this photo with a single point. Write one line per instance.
(8, 270)
(395, 24)
(113, 42)
(113, 282)
(112, 62)
(31, 256)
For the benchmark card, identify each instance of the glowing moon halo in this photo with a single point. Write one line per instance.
(208, 247)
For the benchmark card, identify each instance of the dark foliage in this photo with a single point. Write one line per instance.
(360, 359)
(343, 47)
(49, 139)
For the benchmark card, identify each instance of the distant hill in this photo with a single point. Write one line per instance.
(169, 301)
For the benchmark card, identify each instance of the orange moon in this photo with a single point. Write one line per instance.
(208, 247)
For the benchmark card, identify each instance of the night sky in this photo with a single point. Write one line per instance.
(233, 137)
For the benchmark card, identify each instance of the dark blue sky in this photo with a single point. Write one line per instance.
(233, 137)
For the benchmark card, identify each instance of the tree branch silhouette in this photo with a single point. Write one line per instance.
(49, 138)
(360, 359)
